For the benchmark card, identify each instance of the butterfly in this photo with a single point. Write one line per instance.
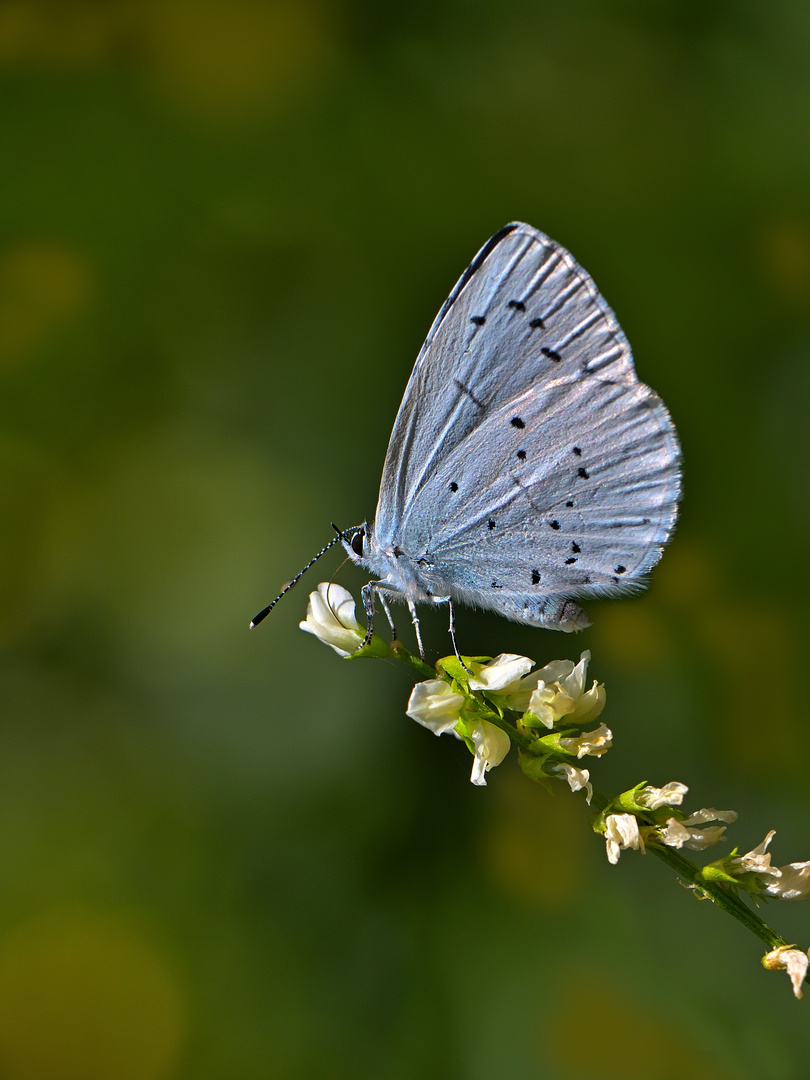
(528, 467)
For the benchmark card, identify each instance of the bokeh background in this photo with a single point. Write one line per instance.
(225, 228)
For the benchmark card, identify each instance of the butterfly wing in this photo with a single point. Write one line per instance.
(527, 460)
(578, 501)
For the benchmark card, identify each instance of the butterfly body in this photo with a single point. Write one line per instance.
(528, 465)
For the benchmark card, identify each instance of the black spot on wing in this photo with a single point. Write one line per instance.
(570, 502)
(495, 585)
(537, 324)
(535, 577)
(575, 547)
(521, 454)
(490, 524)
(568, 562)
(554, 524)
(583, 473)
(551, 354)
(576, 450)
(517, 422)
(453, 485)
(620, 569)
(479, 320)
(517, 305)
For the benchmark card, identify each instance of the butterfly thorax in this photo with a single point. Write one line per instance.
(405, 573)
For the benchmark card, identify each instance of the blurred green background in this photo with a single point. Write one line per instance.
(225, 227)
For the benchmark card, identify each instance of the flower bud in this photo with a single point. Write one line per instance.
(330, 617)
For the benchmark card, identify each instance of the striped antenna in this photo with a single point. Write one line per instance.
(254, 622)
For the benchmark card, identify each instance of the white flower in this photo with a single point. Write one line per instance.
(621, 832)
(578, 779)
(792, 882)
(680, 834)
(434, 705)
(520, 694)
(755, 861)
(330, 617)
(670, 794)
(593, 743)
(551, 692)
(794, 961)
(560, 692)
(502, 675)
(491, 747)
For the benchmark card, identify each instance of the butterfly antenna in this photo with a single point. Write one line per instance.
(254, 622)
(329, 586)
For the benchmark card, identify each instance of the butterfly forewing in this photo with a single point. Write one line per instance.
(522, 313)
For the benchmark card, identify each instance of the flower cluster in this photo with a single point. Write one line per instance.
(491, 703)
(648, 815)
(483, 700)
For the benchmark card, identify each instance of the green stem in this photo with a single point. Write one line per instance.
(399, 652)
(727, 900)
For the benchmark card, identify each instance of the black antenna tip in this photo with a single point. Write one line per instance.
(254, 622)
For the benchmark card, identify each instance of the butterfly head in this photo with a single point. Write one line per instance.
(356, 542)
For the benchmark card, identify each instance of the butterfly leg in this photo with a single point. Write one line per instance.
(453, 635)
(415, 621)
(389, 616)
(368, 593)
(449, 601)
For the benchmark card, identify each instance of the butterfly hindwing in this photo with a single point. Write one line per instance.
(577, 500)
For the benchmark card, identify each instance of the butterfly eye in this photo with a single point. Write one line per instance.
(357, 542)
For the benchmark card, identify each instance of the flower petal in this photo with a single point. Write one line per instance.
(435, 705)
(793, 882)
(331, 618)
(501, 673)
(591, 743)
(670, 794)
(574, 683)
(794, 961)
(578, 779)
(491, 747)
(700, 817)
(678, 834)
(621, 832)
